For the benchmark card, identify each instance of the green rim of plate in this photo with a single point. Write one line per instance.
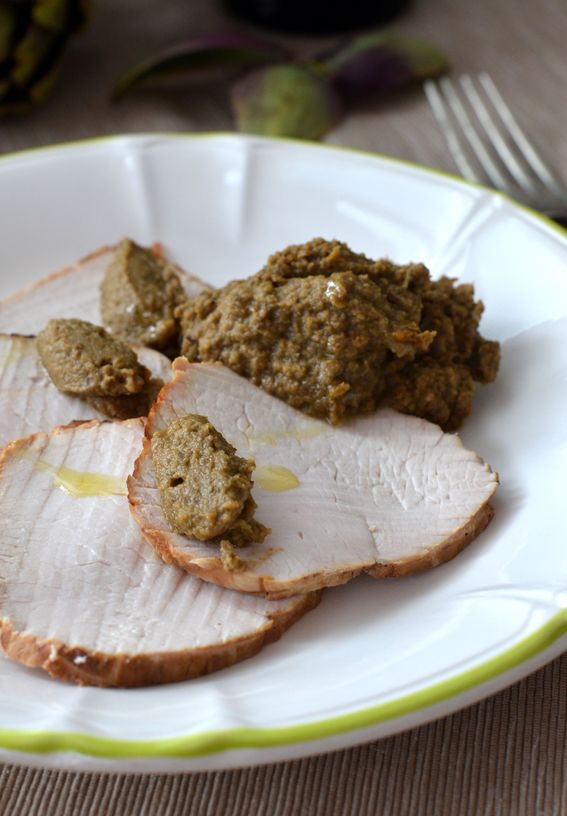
(212, 742)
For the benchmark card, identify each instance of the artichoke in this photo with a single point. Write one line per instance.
(33, 34)
(274, 93)
(285, 100)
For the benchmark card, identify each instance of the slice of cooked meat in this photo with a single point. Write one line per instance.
(71, 292)
(29, 402)
(84, 596)
(387, 494)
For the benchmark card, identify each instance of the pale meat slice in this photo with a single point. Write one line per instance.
(29, 402)
(84, 596)
(71, 292)
(387, 494)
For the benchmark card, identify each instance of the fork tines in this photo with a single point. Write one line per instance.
(485, 140)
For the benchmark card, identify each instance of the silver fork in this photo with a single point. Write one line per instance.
(488, 146)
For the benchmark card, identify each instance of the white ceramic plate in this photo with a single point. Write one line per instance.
(375, 657)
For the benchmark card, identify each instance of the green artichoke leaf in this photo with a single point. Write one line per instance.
(380, 62)
(33, 36)
(59, 16)
(285, 100)
(8, 27)
(202, 59)
(30, 53)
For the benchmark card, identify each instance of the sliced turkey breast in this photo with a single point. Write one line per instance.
(84, 596)
(386, 493)
(71, 292)
(29, 402)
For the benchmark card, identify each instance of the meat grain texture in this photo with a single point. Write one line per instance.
(71, 292)
(387, 494)
(91, 602)
(30, 402)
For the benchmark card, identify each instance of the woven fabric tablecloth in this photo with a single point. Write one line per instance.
(506, 755)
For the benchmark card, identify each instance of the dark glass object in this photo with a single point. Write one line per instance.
(316, 16)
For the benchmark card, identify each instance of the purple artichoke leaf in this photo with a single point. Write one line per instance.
(381, 62)
(285, 100)
(207, 58)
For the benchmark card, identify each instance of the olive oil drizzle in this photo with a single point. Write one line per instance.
(13, 352)
(275, 478)
(82, 484)
(307, 431)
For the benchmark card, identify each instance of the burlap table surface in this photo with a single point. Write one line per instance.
(505, 755)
